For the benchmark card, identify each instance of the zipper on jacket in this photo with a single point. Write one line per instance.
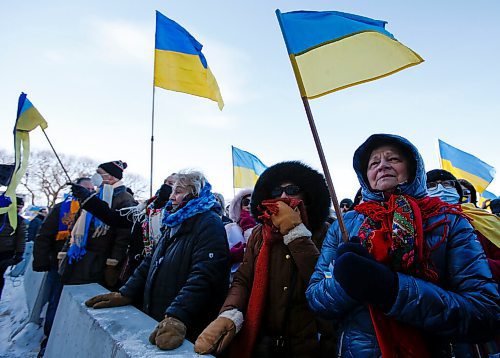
(339, 354)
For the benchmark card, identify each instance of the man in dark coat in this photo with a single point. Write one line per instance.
(97, 251)
(12, 241)
(53, 233)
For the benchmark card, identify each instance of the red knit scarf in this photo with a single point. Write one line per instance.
(243, 344)
(393, 233)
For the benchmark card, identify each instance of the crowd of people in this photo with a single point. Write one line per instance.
(415, 275)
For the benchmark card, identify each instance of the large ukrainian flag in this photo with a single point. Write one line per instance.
(332, 50)
(246, 168)
(179, 64)
(466, 166)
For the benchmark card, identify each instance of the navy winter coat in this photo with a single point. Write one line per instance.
(187, 276)
(462, 306)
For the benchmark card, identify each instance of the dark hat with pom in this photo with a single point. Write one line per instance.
(114, 168)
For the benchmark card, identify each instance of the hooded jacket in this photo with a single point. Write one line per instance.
(464, 303)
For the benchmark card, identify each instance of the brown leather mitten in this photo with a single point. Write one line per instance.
(216, 337)
(168, 334)
(112, 299)
(286, 218)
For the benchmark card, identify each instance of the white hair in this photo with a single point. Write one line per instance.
(191, 180)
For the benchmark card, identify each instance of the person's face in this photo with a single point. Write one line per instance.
(245, 203)
(106, 178)
(344, 207)
(20, 208)
(387, 167)
(466, 195)
(170, 180)
(178, 194)
(87, 184)
(287, 190)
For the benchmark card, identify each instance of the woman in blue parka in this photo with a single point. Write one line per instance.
(413, 276)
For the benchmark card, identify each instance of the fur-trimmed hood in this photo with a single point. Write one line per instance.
(235, 206)
(316, 195)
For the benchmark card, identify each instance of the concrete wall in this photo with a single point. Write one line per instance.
(80, 331)
(35, 288)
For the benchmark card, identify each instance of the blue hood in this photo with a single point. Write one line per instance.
(416, 187)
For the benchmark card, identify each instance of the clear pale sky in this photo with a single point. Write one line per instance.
(88, 68)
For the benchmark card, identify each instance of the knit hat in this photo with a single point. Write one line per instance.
(114, 168)
(346, 201)
(441, 175)
(495, 206)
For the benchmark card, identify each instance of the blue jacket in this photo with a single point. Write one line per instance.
(462, 306)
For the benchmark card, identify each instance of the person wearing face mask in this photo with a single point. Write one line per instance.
(443, 185)
(184, 282)
(97, 251)
(239, 231)
(412, 278)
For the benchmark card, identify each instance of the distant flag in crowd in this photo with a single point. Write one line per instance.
(485, 196)
(246, 168)
(466, 166)
(179, 63)
(28, 118)
(332, 50)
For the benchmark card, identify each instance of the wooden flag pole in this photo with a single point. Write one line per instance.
(331, 189)
(62, 166)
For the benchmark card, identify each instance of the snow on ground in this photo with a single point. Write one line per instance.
(17, 337)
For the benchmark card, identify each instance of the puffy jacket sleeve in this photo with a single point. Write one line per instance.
(467, 304)
(324, 294)
(134, 287)
(209, 271)
(20, 235)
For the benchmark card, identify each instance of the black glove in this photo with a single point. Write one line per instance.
(363, 278)
(164, 192)
(80, 192)
(18, 257)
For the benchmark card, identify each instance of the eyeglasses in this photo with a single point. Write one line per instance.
(445, 183)
(245, 202)
(288, 190)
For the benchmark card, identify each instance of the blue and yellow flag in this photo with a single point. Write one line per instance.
(332, 50)
(246, 168)
(466, 166)
(179, 64)
(28, 118)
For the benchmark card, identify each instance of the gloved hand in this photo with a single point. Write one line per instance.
(216, 337)
(80, 192)
(363, 278)
(237, 251)
(112, 299)
(111, 274)
(286, 218)
(18, 257)
(168, 334)
(164, 192)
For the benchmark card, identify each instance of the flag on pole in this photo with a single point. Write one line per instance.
(179, 63)
(28, 118)
(246, 168)
(332, 50)
(466, 166)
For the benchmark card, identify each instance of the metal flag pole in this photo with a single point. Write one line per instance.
(59, 159)
(152, 142)
(328, 178)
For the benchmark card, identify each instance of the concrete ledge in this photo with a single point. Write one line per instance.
(79, 331)
(36, 290)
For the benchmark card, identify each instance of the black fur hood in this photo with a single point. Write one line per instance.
(316, 195)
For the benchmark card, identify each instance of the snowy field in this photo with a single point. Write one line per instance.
(17, 337)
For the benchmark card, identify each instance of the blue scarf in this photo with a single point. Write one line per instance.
(204, 202)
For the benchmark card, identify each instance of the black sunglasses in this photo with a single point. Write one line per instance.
(288, 190)
(245, 202)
